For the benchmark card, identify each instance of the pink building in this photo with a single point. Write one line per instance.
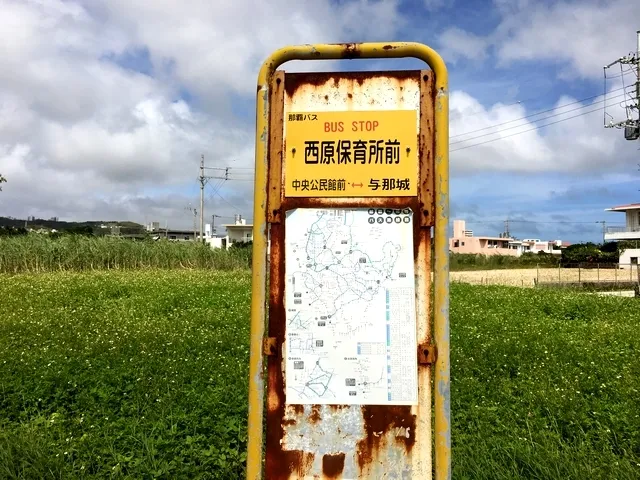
(463, 241)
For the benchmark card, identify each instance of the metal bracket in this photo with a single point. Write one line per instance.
(269, 346)
(427, 354)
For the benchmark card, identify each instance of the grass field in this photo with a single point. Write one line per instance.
(143, 374)
(38, 253)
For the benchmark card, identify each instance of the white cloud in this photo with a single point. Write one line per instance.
(582, 35)
(586, 35)
(458, 44)
(220, 48)
(83, 137)
(570, 138)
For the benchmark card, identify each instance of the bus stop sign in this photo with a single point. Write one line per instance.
(351, 178)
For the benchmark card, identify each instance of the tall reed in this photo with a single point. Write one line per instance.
(38, 253)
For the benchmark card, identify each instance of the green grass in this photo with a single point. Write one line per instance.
(123, 374)
(468, 261)
(38, 253)
(142, 375)
(544, 384)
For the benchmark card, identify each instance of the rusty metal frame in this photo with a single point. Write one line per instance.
(419, 51)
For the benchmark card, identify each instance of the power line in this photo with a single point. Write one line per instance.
(630, 125)
(527, 130)
(249, 176)
(613, 77)
(535, 127)
(520, 81)
(534, 115)
(215, 192)
(538, 222)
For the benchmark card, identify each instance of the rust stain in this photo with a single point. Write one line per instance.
(293, 462)
(273, 399)
(290, 203)
(418, 233)
(351, 50)
(276, 146)
(378, 420)
(426, 148)
(314, 417)
(427, 353)
(349, 100)
(333, 465)
(384, 426)
(278, 463)
(296, 81)
(389, 47)
(337, 408)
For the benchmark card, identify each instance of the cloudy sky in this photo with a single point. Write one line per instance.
(106, 106)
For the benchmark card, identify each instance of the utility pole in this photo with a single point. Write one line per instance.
(631, 125)
(195, 231)
(203, 181)
(202, 197)
(638, 76)
(195, 214)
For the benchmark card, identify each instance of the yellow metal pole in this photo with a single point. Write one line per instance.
(441, 273)
(258, 282)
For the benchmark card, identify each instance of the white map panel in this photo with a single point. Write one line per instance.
(350, 307)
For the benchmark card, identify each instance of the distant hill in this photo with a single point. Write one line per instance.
(98, 227)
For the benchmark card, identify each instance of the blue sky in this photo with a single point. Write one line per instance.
(112, 103)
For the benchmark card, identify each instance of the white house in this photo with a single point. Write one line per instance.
(630, 231)
(239, 231)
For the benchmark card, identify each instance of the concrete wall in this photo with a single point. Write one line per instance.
(475, 245)
(633, 219)
(627, 255)
(240, 234)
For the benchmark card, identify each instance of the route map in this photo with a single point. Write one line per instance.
(350, 307)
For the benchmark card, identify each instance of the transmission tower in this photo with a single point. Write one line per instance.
(631, 124)
(507, 233)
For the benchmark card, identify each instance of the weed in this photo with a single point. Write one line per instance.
(38, 253)
(144, 374)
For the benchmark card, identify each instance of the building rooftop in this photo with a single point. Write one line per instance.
(236, 225)
(622, 208)
(483, 237)
(239, 222)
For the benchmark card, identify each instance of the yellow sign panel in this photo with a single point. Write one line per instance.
(351, 154)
